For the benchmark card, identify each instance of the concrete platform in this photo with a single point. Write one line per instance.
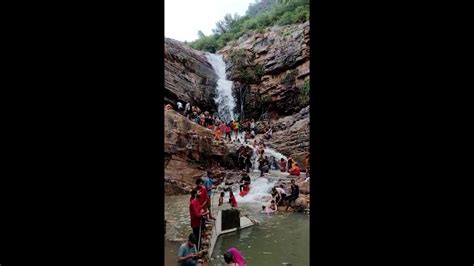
(217, 229)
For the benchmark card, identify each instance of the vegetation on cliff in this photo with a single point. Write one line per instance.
(257, 18)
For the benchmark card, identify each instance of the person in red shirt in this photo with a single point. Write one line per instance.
(232, 200)
(196, 213)
(295, 170)
(202, 192)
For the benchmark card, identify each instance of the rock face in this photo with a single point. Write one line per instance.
(283, 54)
(291, 135)
(276, 98)
(189, 152)
(189, 77)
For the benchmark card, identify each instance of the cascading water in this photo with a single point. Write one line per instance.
(260, 192)
(224, 99)
(261, 187)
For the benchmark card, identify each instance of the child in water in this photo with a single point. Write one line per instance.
(232, 200)
(270, 209)
(221, 199)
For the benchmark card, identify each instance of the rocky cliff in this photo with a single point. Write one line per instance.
(270, 68)
(189, 152)
(189, 77)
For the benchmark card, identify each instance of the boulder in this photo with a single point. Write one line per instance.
(301, 203)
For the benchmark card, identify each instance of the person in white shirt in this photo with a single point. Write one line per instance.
(187, 110)
(252, 128)
(180, 105)
(282, 193)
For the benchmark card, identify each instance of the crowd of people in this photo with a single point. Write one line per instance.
(281, 198)
(223, 130)
(190, 253)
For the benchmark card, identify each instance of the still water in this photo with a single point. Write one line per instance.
(280, 237)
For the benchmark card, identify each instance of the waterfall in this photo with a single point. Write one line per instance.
(224, 100)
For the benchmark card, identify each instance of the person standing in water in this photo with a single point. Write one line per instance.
(233, 257)
(221, 199)
(232, 200)
(245, 180)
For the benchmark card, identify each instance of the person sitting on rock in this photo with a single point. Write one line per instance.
(295, 170)
(168, 107)
(295, 193)
(290, 163)
(233, 257)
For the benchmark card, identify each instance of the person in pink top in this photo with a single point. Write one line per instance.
(233, 257)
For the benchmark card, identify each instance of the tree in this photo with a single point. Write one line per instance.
(201, 34)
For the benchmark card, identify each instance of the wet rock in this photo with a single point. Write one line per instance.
(304, 187)
(189, 76)
(188, 151)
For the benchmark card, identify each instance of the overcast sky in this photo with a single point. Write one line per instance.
(184, 18)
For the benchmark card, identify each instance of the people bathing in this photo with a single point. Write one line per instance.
(233, 257)
(232, 200)
(221, 199)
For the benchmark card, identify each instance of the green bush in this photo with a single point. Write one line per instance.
(231, 28)
(305, 92)
(290, 77)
